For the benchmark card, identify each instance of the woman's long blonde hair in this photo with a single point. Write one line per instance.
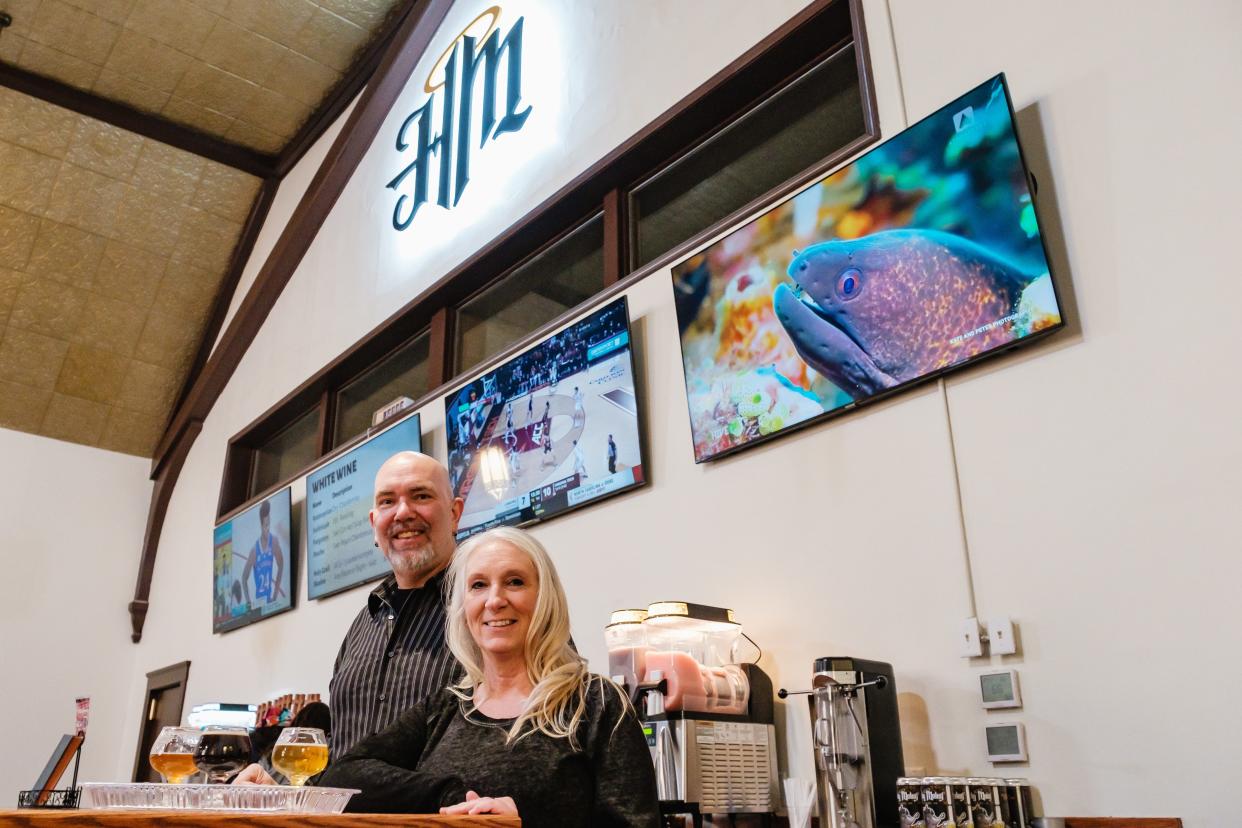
(560, 677)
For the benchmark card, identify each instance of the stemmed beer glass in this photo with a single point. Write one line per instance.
(222, 751)
(172, 755)
(300, 753)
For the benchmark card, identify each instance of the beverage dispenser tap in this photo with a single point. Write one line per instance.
(857, 738)
(707, 716)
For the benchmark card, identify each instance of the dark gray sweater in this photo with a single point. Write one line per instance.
(434, 753)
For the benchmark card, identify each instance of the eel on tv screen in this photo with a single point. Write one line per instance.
(553, 428)
(919, 256)
(253, 559)
(340, 547)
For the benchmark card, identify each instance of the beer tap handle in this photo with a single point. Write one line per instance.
(783, 693)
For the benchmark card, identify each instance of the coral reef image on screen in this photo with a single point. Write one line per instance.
(916, 257)
(553, 428)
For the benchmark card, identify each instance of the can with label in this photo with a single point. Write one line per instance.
(937, 803)
(910, 802)
(1000, 804)
(959, 792)
(983, 811)
(1019, 791)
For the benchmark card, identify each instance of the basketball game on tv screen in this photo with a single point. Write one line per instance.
(553, 428)
(253, 559)
(919, 256)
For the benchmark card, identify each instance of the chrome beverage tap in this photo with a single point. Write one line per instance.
(857, 739)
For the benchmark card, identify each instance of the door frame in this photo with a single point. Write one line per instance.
(157, 680)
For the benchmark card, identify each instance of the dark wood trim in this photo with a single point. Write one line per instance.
(616, 242)
(228, 286)
(823, 29)
(169, 676)
(327, 421)
(135, 120)
(334, 173)
(440, 352)
(165, 481)
(344, 92)
(609, 293)
(238, 471)
(1122, 822)
(423, 310)
(862, 56)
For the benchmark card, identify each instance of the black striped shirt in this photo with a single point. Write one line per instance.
(392, 658)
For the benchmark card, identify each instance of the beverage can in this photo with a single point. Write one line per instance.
(910, 802)
(959, 794)
(1019, 794)
(983, 811)
(1000, 803)
(937, 803)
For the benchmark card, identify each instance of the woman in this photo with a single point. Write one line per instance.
(528, 730)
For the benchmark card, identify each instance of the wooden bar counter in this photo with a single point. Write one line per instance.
(93, 818)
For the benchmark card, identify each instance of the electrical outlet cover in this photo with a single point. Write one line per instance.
(969, 644)
(1000, 636)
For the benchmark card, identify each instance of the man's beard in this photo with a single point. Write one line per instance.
(412, 562)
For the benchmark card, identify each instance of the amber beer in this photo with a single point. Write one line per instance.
(299, 762)
(175, 767)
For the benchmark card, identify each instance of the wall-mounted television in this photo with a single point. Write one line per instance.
(253, 561)
(919, 257)
(340, 547)
(553, 428)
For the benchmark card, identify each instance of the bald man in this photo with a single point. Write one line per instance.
(394, 654)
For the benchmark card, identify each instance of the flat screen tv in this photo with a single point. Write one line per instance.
(553, 428)
(340, 547)
(919, 257)
(253, 560)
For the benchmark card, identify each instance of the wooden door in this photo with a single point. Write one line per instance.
(162, 706)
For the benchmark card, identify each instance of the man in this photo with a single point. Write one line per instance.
(579, 410)
(265, 554)
(394, 654)
(579, 462)
(612, 455)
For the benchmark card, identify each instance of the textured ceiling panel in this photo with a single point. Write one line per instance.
(112, 251)
(249, 71)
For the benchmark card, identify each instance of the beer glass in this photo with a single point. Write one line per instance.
(300, 753)
(172, 755)
(222, 751)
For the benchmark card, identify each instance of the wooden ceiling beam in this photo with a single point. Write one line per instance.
(350, 147)
(135, 120)
(347, 151)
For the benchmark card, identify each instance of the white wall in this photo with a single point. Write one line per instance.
(70, 535)
(1096, 469)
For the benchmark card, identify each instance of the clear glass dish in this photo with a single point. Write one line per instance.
(267, 798)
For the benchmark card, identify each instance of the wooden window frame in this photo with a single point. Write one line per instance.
(819, 33)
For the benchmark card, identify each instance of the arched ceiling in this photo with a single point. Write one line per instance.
(116, 247)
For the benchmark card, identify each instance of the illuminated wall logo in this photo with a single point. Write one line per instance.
(471, 59)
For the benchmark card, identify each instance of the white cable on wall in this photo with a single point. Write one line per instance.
(944, 388)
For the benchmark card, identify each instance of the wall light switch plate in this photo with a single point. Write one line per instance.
(1000, 636)
(969, 643)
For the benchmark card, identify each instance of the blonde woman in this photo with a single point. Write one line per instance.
(528, 730)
